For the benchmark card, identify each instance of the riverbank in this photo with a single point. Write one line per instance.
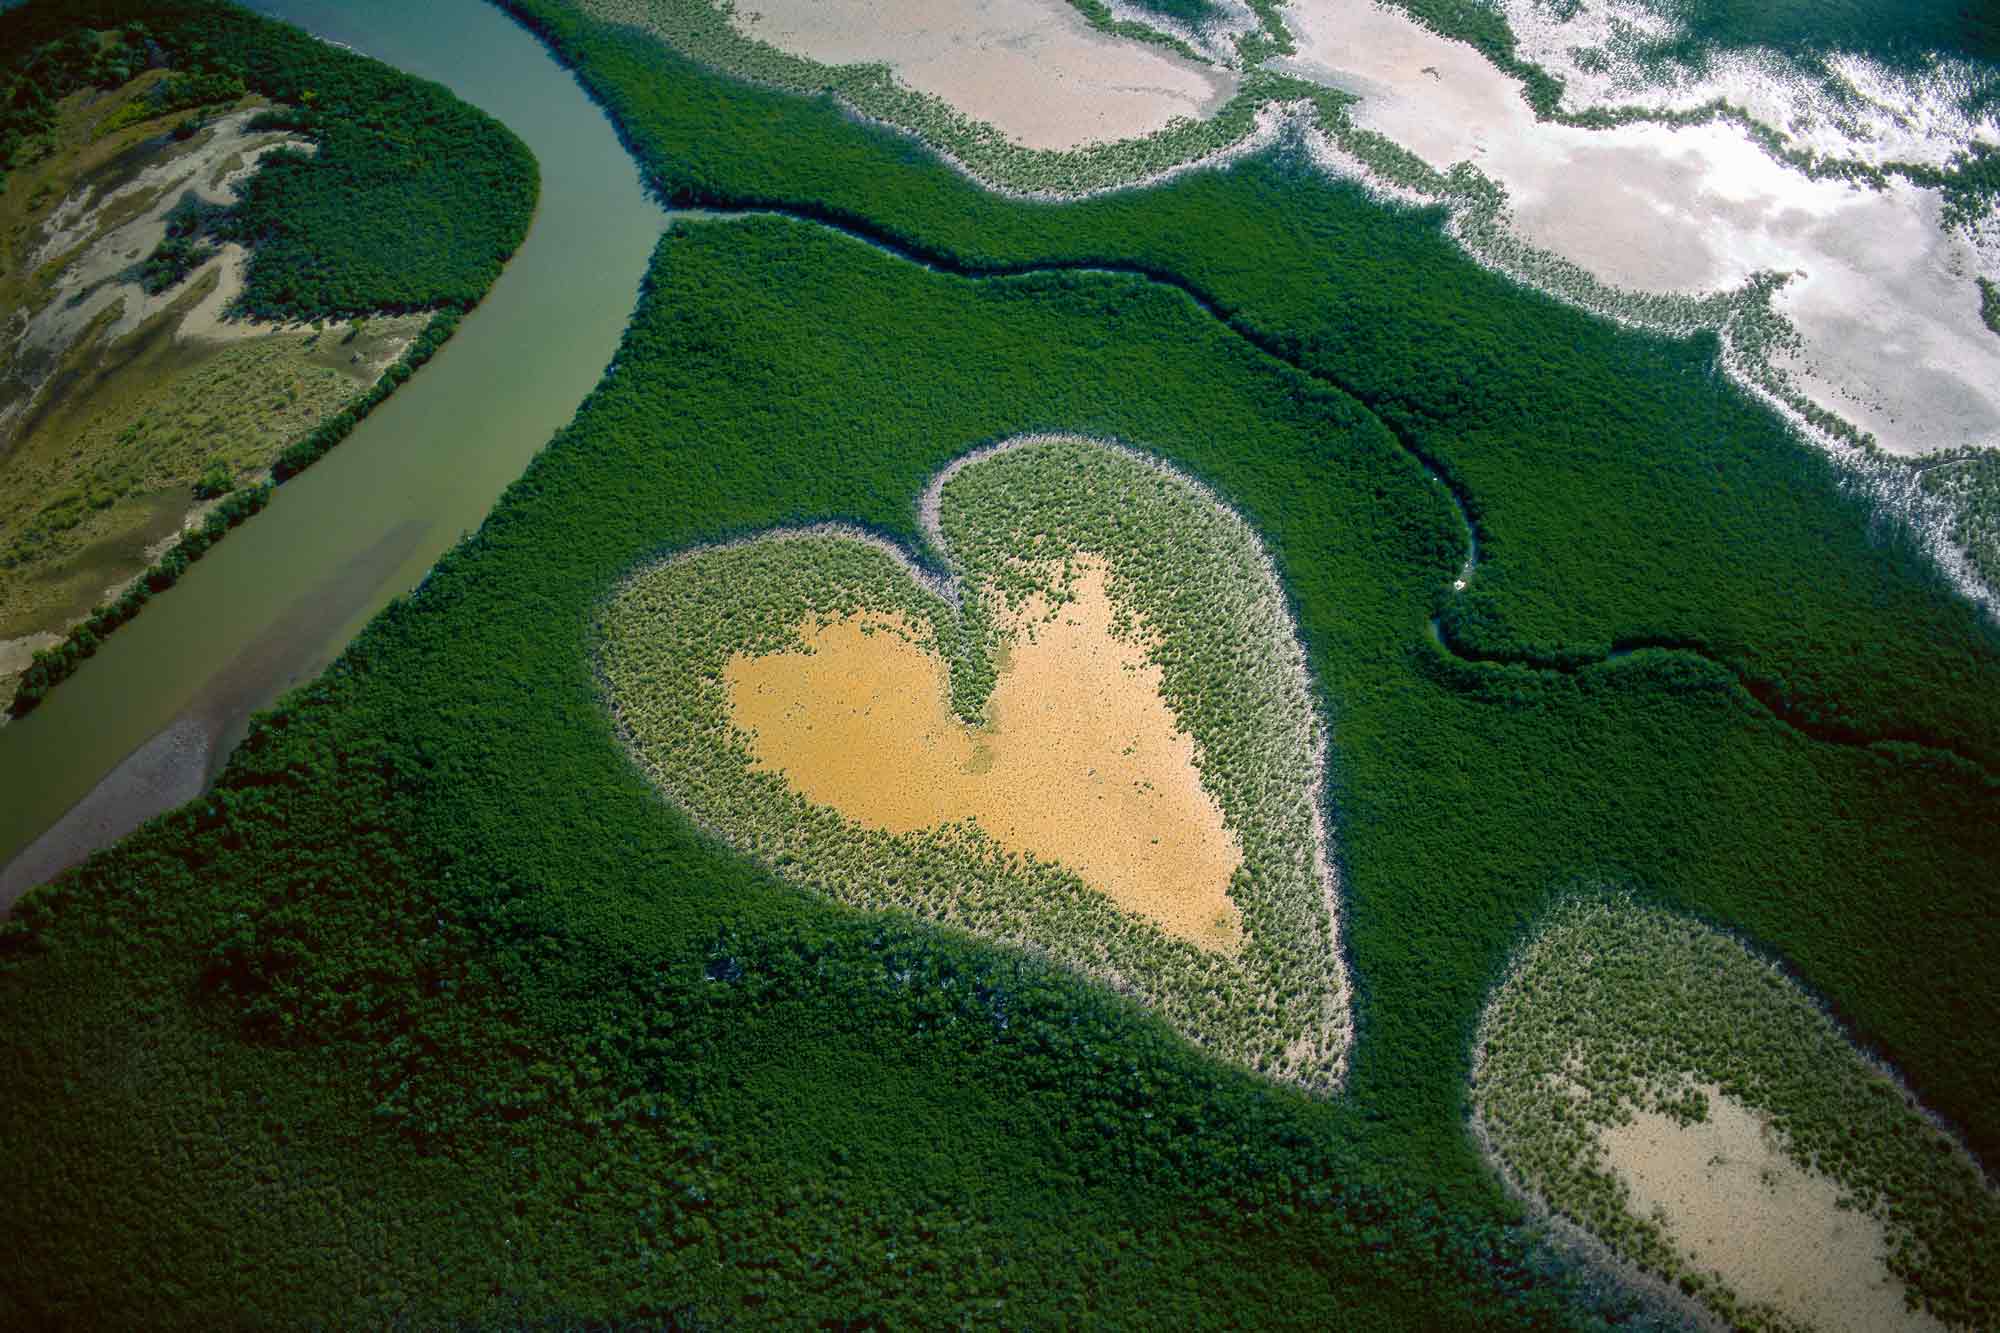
(436, 453)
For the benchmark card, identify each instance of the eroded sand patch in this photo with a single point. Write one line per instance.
(1031, 68)
(1081, 762)
(1736, 1204)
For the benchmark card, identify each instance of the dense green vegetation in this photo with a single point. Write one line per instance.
(183, 249)
(411, 200)
(44, 69)
(1183, 11)
(435, 988)
(1614, 1006)
(1099, 16)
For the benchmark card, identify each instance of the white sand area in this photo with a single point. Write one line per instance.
(90, 285)
(1033, 69)
(1736, 1205)
(1883, 298)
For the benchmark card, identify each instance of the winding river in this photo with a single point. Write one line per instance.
(146, 724)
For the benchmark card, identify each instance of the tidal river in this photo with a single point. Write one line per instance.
(145, 724)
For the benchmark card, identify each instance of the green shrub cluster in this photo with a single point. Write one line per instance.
(44, 67)
(1099, 16)
(1968, 482)
(184, 248)
(1615, 1006)
(1012, 524)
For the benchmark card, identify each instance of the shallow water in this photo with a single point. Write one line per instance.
(252, 618)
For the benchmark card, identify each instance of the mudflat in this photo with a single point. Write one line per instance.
(1031, 68)
(1081, 762)
(1737, 1204)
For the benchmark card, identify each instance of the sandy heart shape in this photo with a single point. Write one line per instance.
(1094, 736)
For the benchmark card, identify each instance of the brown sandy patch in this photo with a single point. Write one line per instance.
(1734, 1203)
(1082, 761)
(1034, 69)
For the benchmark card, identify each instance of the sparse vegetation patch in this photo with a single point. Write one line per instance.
(1617, 1012)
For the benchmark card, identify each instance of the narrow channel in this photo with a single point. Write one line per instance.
(146, 723)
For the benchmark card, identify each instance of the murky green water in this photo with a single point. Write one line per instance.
(271, 606)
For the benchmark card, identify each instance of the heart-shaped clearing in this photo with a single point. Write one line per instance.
(1096, 739)
(1079, 761)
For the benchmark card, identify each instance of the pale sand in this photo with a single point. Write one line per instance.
(17, 655)
(169, 770)
(1736, 1205)
(1884, 299)
(1082, 762)
(1033, 69)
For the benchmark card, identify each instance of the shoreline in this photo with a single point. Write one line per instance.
(179, 762)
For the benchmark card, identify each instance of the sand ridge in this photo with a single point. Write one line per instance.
(1081, 761)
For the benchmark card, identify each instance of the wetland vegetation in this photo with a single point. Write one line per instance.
(435, 988)
(1616, 1009)
(146, 246)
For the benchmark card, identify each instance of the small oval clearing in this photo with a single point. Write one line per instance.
(1079, 761)
(1686, 1105)
(1731, 1199)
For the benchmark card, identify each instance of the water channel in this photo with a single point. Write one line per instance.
(145, 724)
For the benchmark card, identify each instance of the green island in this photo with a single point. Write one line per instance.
(310, 225)
(433, 1012)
